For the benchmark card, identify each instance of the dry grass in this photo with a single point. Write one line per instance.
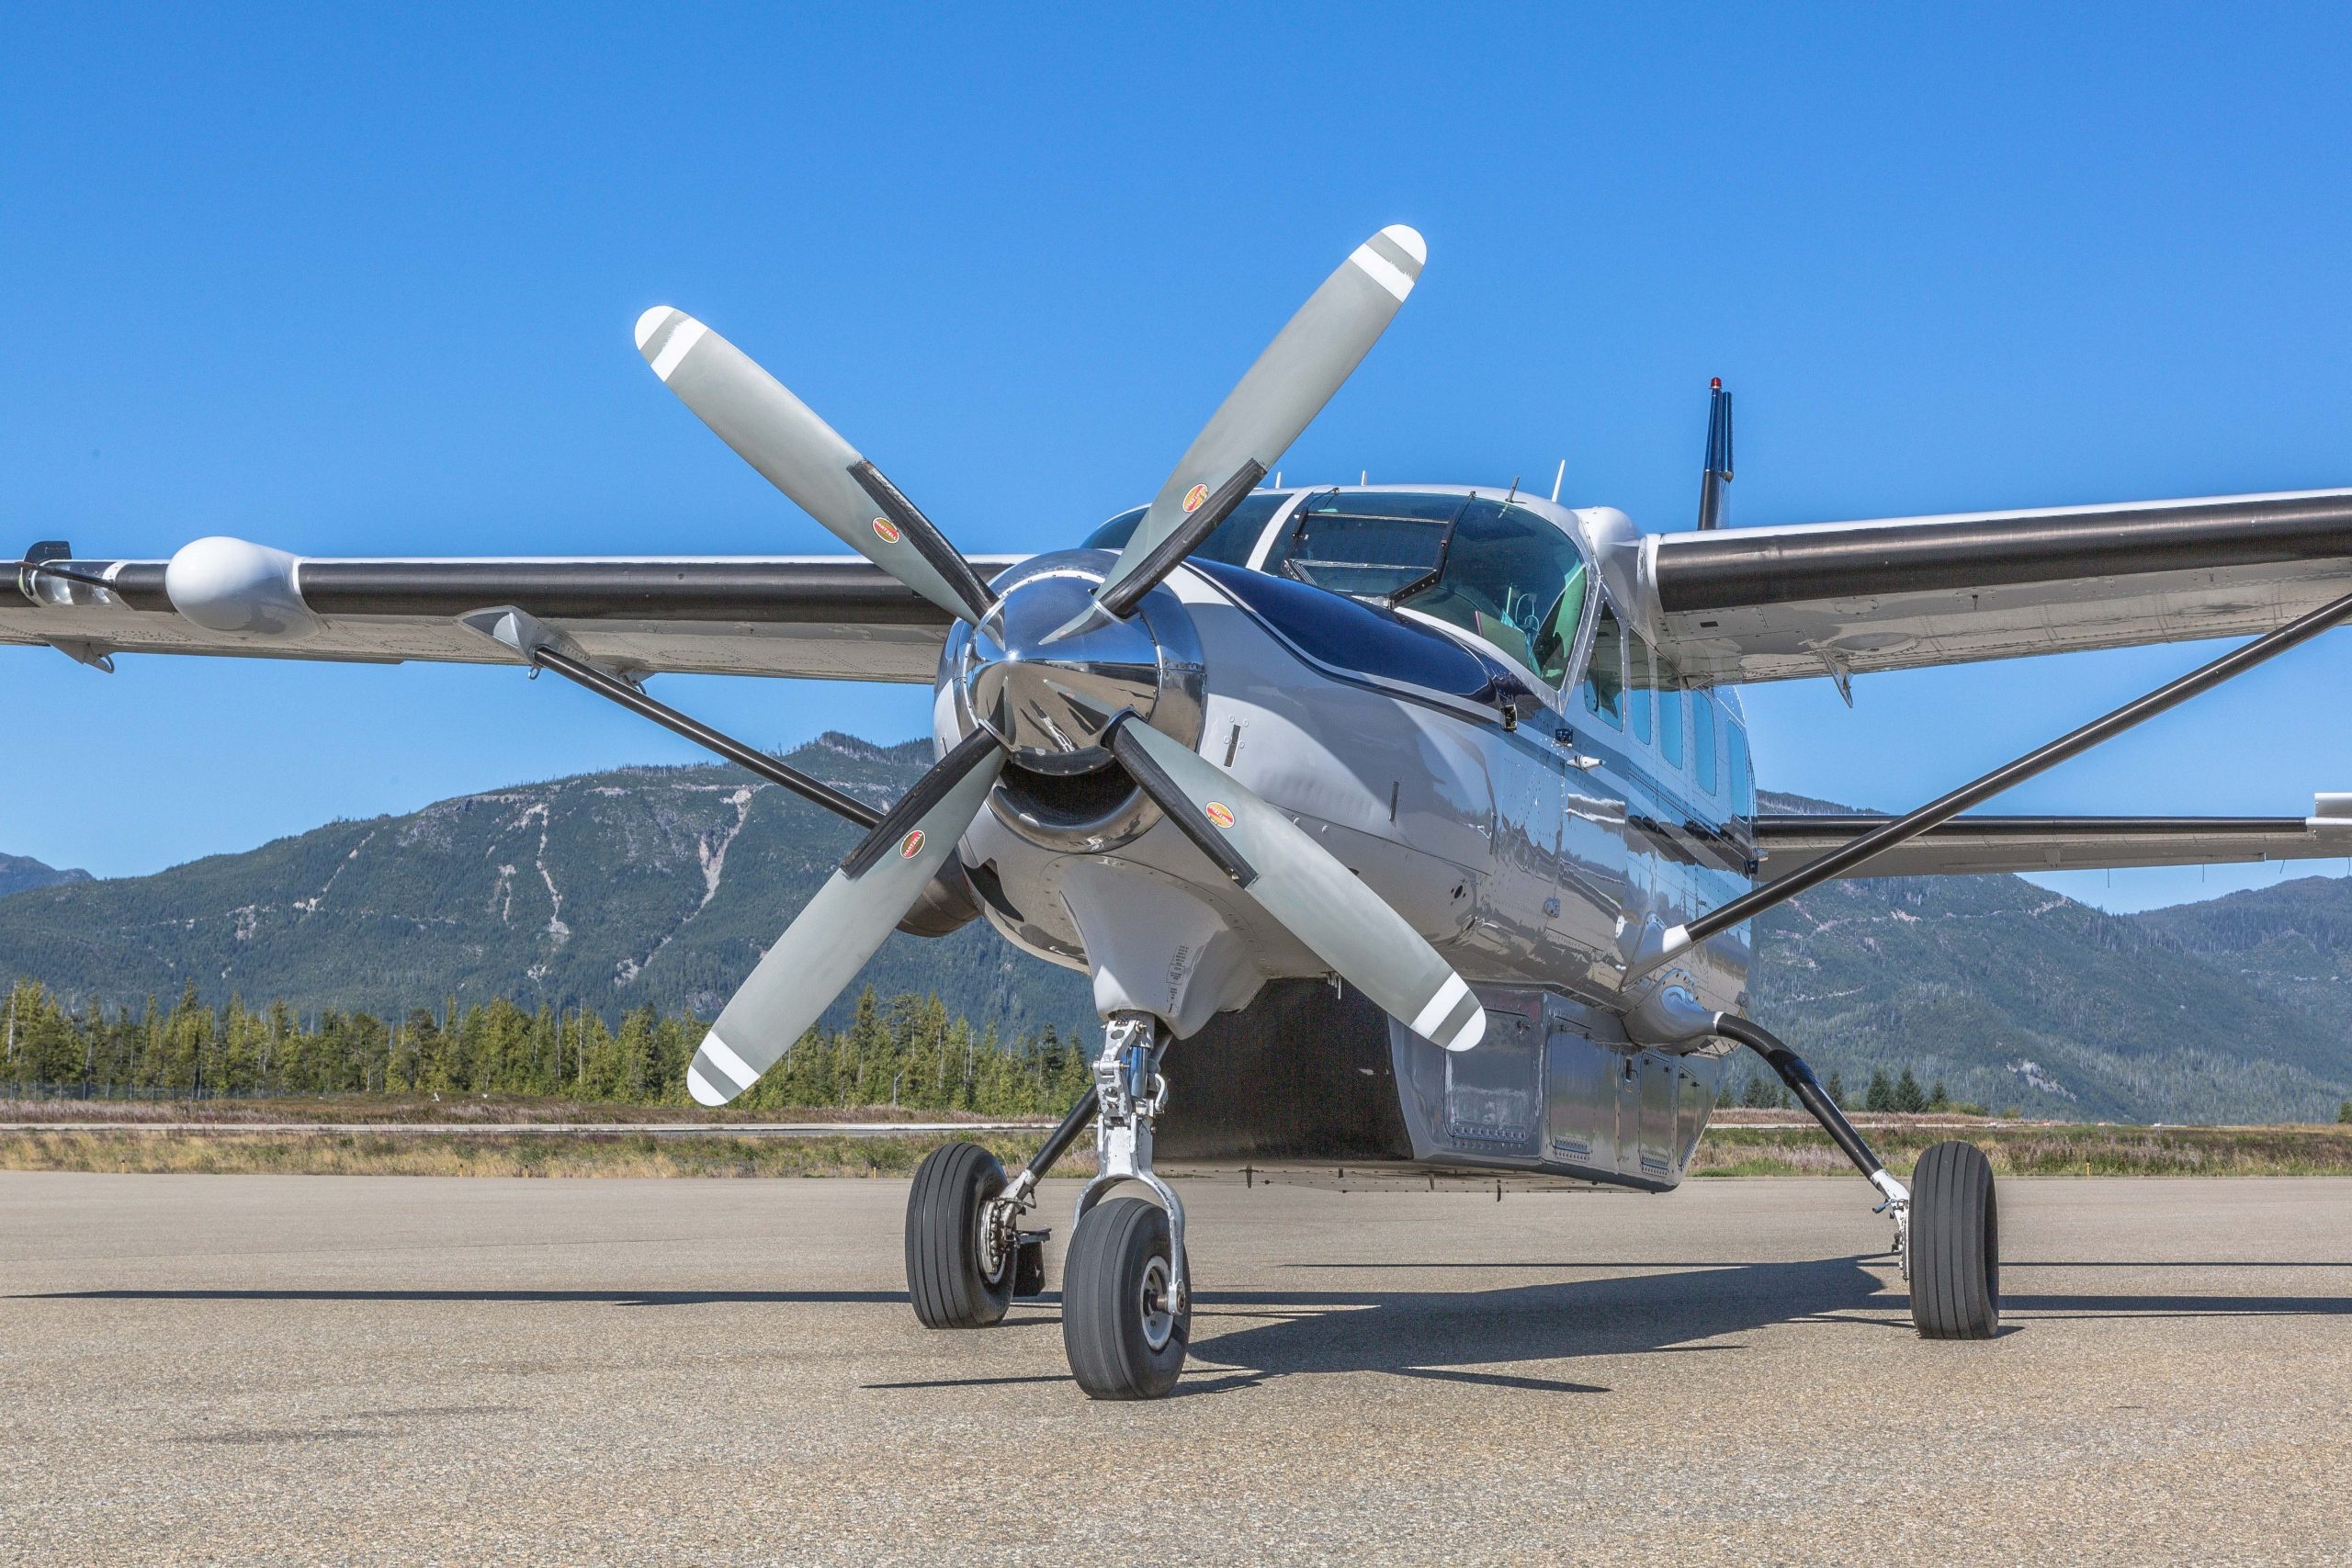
(2036, 1149)
(457, 1110)
(521, 1154)
(2039, 1148)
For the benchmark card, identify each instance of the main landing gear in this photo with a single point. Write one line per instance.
(1947, 1229)
(1126, 1294)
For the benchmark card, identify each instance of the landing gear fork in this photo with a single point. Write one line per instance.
(1129, 1095)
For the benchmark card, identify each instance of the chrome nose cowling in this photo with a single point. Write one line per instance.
(1046, 670)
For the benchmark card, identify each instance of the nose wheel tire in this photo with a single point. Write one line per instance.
(1125, 1337)
(957, 1276)
(1955, 1244)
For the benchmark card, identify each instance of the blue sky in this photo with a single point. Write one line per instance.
(357, 284)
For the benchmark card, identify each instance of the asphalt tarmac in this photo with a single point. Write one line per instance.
(405, 1370)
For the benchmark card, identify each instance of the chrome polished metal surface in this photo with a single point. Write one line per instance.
(1046, 671)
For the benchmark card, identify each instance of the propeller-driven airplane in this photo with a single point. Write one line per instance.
(1421, 814)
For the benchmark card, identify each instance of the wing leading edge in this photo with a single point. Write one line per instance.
(833, 619)
(1975, 846)
(1840, 599)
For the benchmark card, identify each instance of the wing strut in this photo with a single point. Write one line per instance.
(947, 902)
(1844, 859)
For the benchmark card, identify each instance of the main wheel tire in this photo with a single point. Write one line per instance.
(1955, 1244)
(1123, 1338)
(948, 1275)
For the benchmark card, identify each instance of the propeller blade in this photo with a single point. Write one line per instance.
(1301, 884)
(824, 949)
(806, 458)
(1262, 415)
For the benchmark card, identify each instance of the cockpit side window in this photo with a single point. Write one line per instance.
(1604, 677)
(1501, 572)
(1230, 543)
(1511, 578)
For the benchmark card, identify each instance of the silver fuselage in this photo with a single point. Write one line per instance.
(1533, 849)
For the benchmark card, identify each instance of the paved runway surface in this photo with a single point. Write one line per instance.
(381, 1369)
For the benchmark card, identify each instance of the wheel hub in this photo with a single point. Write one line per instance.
(1158, 1322)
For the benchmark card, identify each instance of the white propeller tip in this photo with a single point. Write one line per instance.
(704, 1090)
(1470, 1034)
(1408, 239)
(650, 322)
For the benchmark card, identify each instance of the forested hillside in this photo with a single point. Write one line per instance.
(908, 1051)
(652, 887)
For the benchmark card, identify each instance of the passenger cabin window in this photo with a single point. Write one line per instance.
(1230, 543)
(1641, 692)
(1604, 677)
(1671, 702)
(1743, 787)
(1501, 572)
(1702, 741)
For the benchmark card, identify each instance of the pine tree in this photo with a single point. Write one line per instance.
(1908, 1097)
(1836, 1089)
(1881, 1095)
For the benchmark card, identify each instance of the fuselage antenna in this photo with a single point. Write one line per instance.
(1557, 480)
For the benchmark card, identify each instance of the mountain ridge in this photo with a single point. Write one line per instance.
(21, 873)
(660, 886)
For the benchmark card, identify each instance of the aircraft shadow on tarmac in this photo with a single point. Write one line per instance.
(1457, 1336)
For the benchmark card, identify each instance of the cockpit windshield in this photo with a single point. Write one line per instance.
(1499, 572)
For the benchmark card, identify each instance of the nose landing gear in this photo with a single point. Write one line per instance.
(1127, 1286)
(1127, 1296)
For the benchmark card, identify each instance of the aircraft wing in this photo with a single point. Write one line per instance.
(833, 619)
(1839, 599)
(1973, 845)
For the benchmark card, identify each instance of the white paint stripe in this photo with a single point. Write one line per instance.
(702, 1090)
(1439, 1006)
(723, 1057)
(681, 342)
(1379, 268)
